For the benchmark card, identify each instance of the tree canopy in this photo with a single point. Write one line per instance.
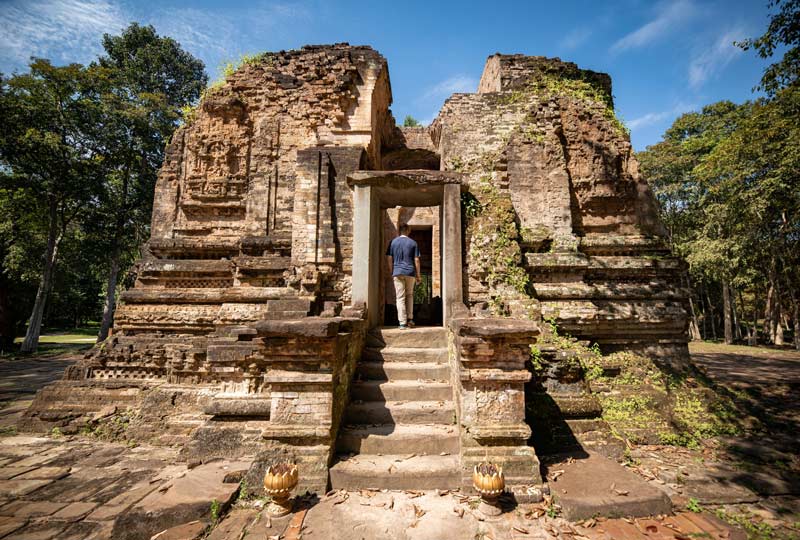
(80, 147)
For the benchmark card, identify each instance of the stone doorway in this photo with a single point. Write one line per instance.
(375, 192)
(425, 230)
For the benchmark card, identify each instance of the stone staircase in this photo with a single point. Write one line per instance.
(399, 430)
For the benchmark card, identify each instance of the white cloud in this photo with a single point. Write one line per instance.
(648, 119)
(712, 61)
(653, 118)
(669, 18)
(63, 30)
(71, 30)
(575, 38)
(452, 85)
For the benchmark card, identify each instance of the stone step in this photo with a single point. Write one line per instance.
(401, 391)
(403, 371)
(417, 338)
(396, 472)
(405, 354)
(398, 439)
(401, 412)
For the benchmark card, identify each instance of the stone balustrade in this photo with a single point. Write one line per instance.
(488, 360)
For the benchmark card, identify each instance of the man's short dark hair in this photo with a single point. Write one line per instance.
(405, 228)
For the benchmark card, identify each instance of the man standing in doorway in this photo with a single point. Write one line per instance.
(403, 256)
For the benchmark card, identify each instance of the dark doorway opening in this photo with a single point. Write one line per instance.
(427, 308)
(427, 302)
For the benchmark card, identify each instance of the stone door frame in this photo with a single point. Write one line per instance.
(374, 191)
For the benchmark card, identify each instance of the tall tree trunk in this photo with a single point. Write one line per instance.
(753, 340)
(727, 309)
(738, 313)
(694, 327)
(31, 341)
(111, 294)
(768, 309)
(776, 328)
(796, 321)
(712, 317)
(113, 274)
(6, 317)
(705, 315)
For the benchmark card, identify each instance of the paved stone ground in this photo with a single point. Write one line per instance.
(766, 380)
(83, 488)
(22, 376)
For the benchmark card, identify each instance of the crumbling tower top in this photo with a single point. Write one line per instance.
(505, 72)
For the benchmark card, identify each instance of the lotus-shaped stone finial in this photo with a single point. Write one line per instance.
(279, 481)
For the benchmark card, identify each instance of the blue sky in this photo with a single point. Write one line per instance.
(665, 57)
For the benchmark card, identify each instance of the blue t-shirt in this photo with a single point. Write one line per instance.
(403, 251)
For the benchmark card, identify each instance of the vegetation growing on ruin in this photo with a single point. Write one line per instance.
(584, 92)
(226, 70)
(680, 407)
(494, 247)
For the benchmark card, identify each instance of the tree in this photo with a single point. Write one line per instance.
(150, 79)
(48, 153)
(696, 225)
(758, 168)
(783, 30)
(410, 121)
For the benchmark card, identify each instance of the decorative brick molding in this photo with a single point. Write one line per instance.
(488, 359)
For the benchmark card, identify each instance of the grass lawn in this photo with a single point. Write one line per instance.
(710, 347)
(72, 336)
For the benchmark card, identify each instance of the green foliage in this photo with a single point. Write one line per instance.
(227, 69)
(583, 91)
(215, 510)
(410, 121)
(494, 244)
(724, 178)
(80, 147)
(693, 505)
(470, 206)
(56, 433)
(783, 32)
(753, 526)
(537, 359)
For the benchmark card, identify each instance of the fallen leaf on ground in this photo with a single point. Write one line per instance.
(418, 512)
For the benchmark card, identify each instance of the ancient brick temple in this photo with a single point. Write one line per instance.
(257, 324)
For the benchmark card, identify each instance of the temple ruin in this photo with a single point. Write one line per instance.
(260, 321)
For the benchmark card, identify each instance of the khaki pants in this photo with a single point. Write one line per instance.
(404, 291)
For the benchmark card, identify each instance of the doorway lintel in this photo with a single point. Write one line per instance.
(377, 190)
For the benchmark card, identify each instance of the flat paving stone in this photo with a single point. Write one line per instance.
(10, 524)
(12, 471)
(595, 485)
(74, 511)
(19, 488)
(187, 498)
(186, 531)
(44, 473)
(37, 531)
(29, 509)
(235, 523)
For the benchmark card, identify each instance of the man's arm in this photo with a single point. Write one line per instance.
(391, 264)
(419, 274)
